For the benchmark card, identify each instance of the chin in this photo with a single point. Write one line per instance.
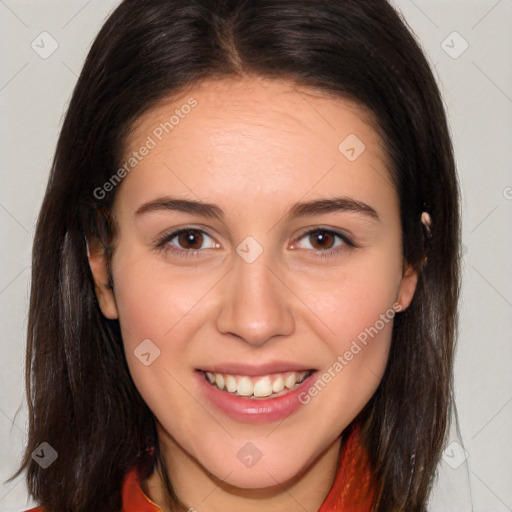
(261, 476)
(268, 467)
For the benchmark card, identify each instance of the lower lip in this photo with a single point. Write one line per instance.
(259, 410)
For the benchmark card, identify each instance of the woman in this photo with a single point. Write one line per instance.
(245, 270)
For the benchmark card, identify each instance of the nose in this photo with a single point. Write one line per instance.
(256, 304)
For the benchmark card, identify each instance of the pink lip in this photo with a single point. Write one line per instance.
(254, 370)
(248, 410)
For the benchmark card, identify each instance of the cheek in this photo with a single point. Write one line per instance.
(351, 297)
(358, 350)
(356, 306)
(157, 308)
(151, 300)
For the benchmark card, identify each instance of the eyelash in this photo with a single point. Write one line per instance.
(163, 240)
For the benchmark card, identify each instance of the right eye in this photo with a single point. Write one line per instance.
(185, 242)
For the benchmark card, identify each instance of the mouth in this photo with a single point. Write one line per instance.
(257, 387)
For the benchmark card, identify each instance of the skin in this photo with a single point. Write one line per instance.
(254, 147)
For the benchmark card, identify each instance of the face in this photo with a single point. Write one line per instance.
(259, 245)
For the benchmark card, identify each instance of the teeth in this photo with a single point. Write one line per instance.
(219, 380)
(278, 384)
(256, 387)
(289, 382)
(231, 384)
(263, 387)
(245, 387)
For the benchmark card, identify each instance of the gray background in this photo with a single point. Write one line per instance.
(477, 87)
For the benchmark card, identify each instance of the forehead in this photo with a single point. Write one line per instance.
(271, 134)
(250, 103)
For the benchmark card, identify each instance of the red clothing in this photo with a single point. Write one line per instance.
(351, 492)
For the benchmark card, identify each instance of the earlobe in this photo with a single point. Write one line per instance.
(407, 287)
(410, 276)
(98, 265)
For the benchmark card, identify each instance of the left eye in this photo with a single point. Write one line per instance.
(324, 240)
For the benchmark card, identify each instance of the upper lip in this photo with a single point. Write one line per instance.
(254, 370)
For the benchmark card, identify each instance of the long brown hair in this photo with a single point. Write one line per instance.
(82, 400)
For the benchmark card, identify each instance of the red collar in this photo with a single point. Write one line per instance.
(351, 491)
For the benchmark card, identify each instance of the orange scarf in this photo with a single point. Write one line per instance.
(353, 489)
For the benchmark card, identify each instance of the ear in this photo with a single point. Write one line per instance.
(104, 292)
(407, 287)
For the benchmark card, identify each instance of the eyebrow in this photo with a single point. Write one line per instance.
(302, 209)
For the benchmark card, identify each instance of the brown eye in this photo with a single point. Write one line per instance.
(186, 241)
(190, 239)
(323, 242)
(321, 239)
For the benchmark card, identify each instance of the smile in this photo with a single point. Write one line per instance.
(263, 386)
